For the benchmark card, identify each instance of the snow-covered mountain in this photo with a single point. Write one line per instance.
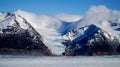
(18, 34)
(101, 18)
(55, 28)
(104, 18)
(50, 27)
(89, 40)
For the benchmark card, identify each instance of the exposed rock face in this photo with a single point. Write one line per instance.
(94, 41)
(15, 39)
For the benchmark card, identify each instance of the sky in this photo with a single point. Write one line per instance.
(56, 6)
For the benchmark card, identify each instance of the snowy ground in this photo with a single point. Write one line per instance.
(79, 61)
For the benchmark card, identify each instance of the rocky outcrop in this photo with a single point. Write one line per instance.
(22, 43)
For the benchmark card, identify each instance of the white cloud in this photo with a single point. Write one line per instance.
(68, 17)
(98, 14)
(115, 14)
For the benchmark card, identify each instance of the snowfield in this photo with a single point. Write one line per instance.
(77, 61)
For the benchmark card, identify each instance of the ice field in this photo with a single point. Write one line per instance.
(59, 61)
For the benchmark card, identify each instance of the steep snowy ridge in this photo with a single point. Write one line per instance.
(109, 26)
(9, 20)
(15, 20)
(112, 27)
(102, 17)
(17, 31)
(92, 40)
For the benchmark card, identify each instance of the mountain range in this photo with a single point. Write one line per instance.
(95, 33)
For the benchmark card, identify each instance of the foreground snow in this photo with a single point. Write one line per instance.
(78, 61)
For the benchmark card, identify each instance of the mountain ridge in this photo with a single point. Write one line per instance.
(53, 27)
(18, 34)
(94, 41)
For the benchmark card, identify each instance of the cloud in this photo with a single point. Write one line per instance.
(98, 14)
(68, 17)
(115, 14)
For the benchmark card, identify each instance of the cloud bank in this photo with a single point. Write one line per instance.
(98, 14)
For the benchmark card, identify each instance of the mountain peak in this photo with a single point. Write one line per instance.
(89, 41)
(17, 33)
